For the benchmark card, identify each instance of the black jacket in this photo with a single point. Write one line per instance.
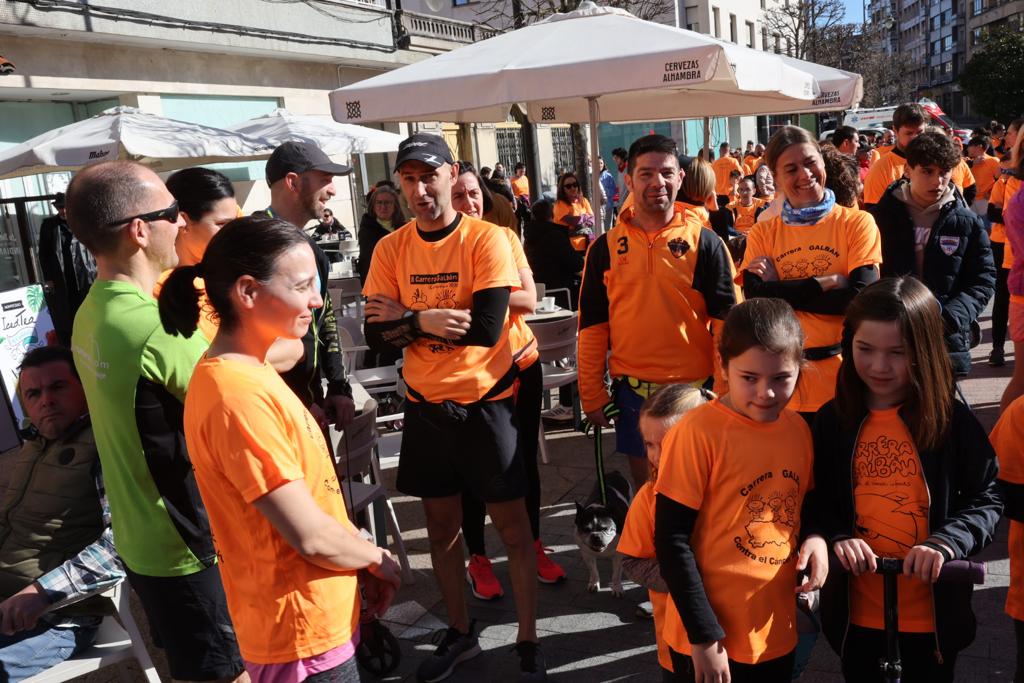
(958, 265)
(370, 232)
(71, 270)
(552, 258)
(965, 508)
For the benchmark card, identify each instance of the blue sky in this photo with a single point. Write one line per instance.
(854, 10)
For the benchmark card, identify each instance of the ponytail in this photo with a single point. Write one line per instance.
(179, 301)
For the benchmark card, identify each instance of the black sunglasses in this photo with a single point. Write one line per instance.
(569, 186)
(170, 214)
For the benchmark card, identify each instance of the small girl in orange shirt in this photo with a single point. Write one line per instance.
(730, 493)
(657, 415)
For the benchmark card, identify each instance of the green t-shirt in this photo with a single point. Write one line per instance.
(135, 376)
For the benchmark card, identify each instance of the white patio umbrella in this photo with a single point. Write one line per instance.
(593, 64)
(128, 133)
(335, 139)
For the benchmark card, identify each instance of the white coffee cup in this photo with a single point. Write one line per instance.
(547, 303)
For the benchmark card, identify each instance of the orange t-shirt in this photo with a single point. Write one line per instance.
(208, 322)
(986, 172)
(743, 216)
(1003, 190)
(247, 435)
(873, 156)
(520, 336)
(637, 540)
(422, 275)
(891, 499)
(962, 176)
(520, 186)
(1007, 439)
(883, 150)
(578, 208)
(722, 167)
(841, 242)
(881, 175)
(747, 481)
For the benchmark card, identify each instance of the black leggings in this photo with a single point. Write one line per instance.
(778, 670)
(347, 672)
(528, 402)
(866, 646)
(1001, 301)
(1018, 630)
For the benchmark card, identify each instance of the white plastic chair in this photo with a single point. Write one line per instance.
(355, 455)
(556, 341)
(118, 638)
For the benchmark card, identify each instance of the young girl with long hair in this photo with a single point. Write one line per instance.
(657, 415)
(730, 489)
(293, 562)
(901, 470)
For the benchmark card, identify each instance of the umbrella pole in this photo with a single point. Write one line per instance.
(595, 173)
(707, 137)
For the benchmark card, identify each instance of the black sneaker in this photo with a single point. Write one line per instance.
(996, 359)
(455, 648)
(532, 668)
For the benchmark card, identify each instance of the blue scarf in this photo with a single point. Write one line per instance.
(809, 215)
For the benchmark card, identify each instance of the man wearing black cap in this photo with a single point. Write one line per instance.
(68, 270)
(439, 288)
(301, 179)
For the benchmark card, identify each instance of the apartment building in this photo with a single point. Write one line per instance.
(928, 37)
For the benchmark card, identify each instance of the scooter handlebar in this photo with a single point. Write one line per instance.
(954, 571)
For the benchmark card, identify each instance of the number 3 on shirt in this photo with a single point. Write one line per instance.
(623, 245)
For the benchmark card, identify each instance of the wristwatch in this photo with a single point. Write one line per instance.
(413, 320)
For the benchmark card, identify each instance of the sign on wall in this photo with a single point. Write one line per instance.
(25, 323)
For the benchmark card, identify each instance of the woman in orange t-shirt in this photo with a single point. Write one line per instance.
(901, 470)
(292, 561)
(206, 199)
(573, 211)
(471, 197)
(816, 255)
(636, 543)
(728, 509)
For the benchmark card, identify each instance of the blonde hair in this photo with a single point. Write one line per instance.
(699, 181)
(669, 402)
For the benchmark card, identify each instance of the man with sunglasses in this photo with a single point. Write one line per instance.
(135, 375)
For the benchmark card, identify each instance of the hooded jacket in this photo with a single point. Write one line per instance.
(962, 516)
(957, 263)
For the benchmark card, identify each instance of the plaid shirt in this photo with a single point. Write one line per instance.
(94, 569)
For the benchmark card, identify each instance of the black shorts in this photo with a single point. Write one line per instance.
(444, 453)
(189, 620)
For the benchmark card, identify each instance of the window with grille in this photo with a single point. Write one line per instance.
(510, 145)
(561, 144)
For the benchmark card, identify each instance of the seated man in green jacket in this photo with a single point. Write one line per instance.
(55, 538)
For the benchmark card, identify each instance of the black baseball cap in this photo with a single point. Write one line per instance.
(430, 149)
(299, 157)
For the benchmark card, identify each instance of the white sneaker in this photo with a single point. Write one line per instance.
(559, 413)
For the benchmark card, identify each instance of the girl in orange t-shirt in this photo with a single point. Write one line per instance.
(657, 415)
(730, 489)
(901, 470)
(292, 561)
(1007, 438)
(573, 211)
(470, 196)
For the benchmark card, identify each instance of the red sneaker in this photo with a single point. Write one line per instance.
(547, 570)
(481, 578)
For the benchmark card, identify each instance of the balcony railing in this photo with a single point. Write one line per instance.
(424, 30)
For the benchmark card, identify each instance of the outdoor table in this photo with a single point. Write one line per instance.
(544, 316)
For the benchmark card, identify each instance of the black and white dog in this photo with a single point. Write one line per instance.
(597, 529)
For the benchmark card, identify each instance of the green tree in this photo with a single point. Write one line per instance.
(994, 76)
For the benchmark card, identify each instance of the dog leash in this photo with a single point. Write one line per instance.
(611, 411)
